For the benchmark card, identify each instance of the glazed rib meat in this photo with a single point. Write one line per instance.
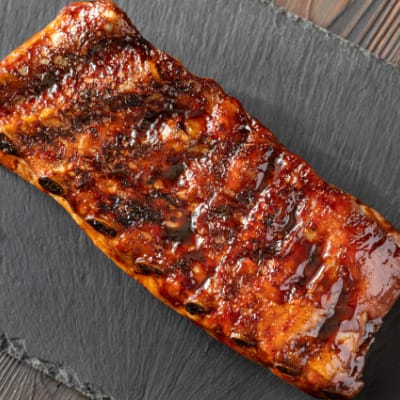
(191, 196)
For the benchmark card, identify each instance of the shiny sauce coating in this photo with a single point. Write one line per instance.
(195, 199)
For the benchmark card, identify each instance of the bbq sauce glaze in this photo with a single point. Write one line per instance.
(197, 200)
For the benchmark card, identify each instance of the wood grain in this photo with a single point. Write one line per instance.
(19, 381)
(372, 24)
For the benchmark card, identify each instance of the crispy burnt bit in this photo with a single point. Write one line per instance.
(242, 340)
(146, 268)
(287, 369)
(7, 146)
(195, 308)
(102, 227)
(51, 186)
(133, 212)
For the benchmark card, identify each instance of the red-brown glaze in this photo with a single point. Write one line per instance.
(191, 196)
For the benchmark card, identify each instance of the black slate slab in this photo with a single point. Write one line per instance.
(333, 104)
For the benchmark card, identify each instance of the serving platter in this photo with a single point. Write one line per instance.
(332, 103)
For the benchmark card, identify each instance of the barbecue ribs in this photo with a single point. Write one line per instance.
(194, 198)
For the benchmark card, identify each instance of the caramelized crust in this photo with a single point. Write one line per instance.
(188, 194)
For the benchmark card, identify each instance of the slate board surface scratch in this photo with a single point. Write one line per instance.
(334, 105)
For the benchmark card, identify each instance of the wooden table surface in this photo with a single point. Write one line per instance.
(372, 24)
(19, 381)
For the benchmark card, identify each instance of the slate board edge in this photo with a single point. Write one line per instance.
(65, 375)
(331, 35)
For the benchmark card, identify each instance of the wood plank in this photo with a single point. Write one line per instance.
(372, 24)
(19, 381)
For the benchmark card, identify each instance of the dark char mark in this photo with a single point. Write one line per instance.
(242, 340)
(195, 309)
(121, 102)
(102, 228)
(7, 146)
(285, 369)
(132, 213)
(146, 268)
(51, 186)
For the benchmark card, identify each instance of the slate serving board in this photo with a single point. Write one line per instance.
(327, 100)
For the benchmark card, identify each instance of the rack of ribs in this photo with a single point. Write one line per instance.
(174, 181)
